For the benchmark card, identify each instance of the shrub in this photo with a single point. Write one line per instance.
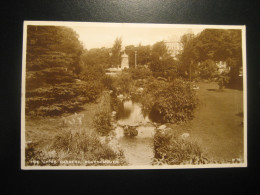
(84, 145)
(92, 73)
(223, 80)
(172, 102)
(123, 82)
(102, 122)
(107, 81)
(34, 156)
(140, 73)
(171, 149)
(80, 146)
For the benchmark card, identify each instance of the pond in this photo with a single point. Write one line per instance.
(138, 149)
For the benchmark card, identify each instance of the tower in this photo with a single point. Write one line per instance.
(124, 61)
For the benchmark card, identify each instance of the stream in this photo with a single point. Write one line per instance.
(138, 149)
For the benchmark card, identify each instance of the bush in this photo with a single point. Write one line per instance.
(102, 122)
(92, 73)
(79, 146)
(223, 80)
(84, 145)
(140, 73)
(107, 81)
(123, 82)
(172, 102)
(171, 149)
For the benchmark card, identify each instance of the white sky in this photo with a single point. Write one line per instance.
(97, 35)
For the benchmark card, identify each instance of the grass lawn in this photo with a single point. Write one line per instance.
(217, 125)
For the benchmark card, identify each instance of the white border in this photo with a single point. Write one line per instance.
(141, 25)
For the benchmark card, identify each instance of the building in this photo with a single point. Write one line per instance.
(173, 45)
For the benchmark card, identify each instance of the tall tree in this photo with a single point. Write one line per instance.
(159, 49)
(52, 46)
(212, 45)
(161, 60)
(218, 44)
(52, 64)
(188, 55)
(116, 51)
(130, 51)
(143, 54)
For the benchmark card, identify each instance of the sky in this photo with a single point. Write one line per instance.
(97, 35)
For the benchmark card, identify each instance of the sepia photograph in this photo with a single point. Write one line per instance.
(133, 96)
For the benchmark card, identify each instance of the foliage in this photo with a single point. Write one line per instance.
(214, 45)
(52, 46)
(123, 82)
(58, 99)
(218, 44)
(143, 54)
(107, 81)
(140, 73)
(160, 49)
(96, 57)
(187, 56)
(235, 81)
(116, 52)
(172, 102)
(171, 149)
(223, 80)
(86, 143)
(54, 64)
(80, 146)
(208, 69)
(156, 57)
(102, 119)
(92, 73)
(162, 64)
(102, 122)
(34, 156)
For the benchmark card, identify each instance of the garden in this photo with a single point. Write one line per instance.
(170, 111)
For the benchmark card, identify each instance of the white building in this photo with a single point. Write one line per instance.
(174, 46)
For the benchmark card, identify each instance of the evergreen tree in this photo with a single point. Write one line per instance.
(52, 66)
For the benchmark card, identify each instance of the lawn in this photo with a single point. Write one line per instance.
(217, 125)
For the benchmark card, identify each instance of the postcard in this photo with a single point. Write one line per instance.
(133, 96)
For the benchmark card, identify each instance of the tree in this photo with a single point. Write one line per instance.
(52, 46)
(162, 64)
(130, 51)
(215, 45)
(160, 49)
(208, 69)
(116, 52)
(218, 44)
(222, 45)
(96, 57)
(188, 56)
(143, 54)
(52, 66)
